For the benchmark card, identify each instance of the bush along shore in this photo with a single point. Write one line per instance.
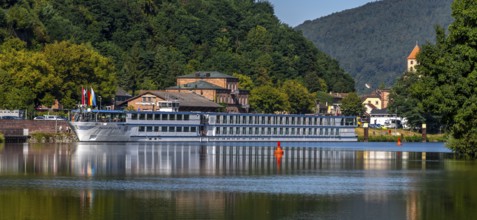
(62, 137)
(393, 135)
(2, 138)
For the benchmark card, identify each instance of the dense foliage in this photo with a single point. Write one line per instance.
(29, 78)
(445, 84)
(372, 42)
(151, 42)
(352, 105)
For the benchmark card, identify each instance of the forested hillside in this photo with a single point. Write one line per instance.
(150, 42)
(372, 42)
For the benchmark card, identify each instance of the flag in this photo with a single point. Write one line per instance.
(88, 102)
(93, 97)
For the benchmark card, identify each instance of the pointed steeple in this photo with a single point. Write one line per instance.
(412, 59)
(414, 52)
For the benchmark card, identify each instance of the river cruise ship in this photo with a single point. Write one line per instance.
(121, 126)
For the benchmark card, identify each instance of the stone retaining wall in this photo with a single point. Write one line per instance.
(35, 125)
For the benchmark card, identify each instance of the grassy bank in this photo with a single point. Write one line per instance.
(380, 135)
(2, 138)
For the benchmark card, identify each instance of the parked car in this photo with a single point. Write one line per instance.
(8, 117)
(39, 118)
(375, 126)
(49, 117)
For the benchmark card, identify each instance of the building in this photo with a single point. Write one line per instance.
(215, 86)
(378, 99)
(412, 59)
(153, 100)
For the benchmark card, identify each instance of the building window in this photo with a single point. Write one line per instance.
(377, 102)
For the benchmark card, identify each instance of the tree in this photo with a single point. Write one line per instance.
(245, 82)
(76, 66)
(447, 86)
(267, 99)
(301, 101)
(351, 105)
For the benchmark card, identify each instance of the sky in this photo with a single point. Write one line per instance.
(295, 12)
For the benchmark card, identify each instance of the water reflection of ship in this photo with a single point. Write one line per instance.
(193, 159)
(177, 159)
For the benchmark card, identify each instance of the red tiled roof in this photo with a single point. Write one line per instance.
(414, 52)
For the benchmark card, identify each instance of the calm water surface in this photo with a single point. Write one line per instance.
(235, 181)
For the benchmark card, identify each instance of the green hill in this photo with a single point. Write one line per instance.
(151, 42)
(372, 42)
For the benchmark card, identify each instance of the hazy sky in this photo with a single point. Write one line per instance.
(295, 12)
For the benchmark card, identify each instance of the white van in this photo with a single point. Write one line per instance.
(49, 117)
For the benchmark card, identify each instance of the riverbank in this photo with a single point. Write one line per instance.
(392, 135)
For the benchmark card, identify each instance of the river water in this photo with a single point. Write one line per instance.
(235, 181)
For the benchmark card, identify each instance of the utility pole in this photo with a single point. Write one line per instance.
(99, 97)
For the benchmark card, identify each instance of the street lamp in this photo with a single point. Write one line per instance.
(99, 97)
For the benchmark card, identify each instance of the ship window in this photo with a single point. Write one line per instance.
(193, 129)
(280, 130)
(231, 119)
(224, 130)
(157, 117)
(337, 131)
(326, 131)
(286, 130)
(292, 131)
(263, 119)
(237, 130)
(149, 128)
(164, 129)
(179, 129)
(186, 117)
(171, 129)
(172, 117)
(142, 116)
(134, 116)
(179, 117)
(217, 130)
(141, 128)
(332, 131)
(186, 129)
(231, 130)
(321, 131)
(224, 119)
(218, 119)
(149, 116)
(298, 131)
(274, 130)
(164, 117)
(269, 130)
(156, 128)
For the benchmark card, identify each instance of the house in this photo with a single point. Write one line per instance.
(150, 100)
(330, 103)
(215, 86)
(120, 97)
(412, 59)
(378, 99)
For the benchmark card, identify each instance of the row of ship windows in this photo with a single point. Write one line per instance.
(166, 129)
(165, 117)
(277, 131)
(246, 119)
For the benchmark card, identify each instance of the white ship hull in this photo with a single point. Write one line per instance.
(213, 127)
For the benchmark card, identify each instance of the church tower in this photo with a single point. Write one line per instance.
(412, 59)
